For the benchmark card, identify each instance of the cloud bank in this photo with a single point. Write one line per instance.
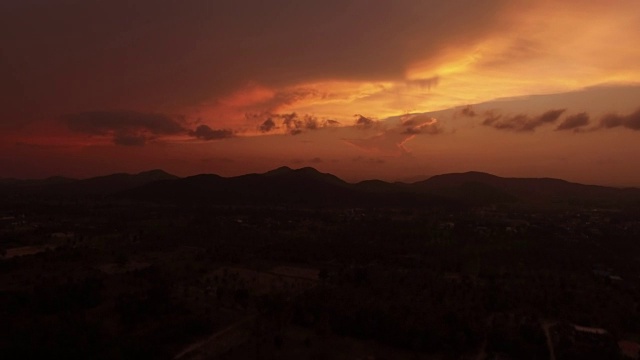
(132, 128)
(292, 123)
(574, 122)
(521, 122)
(129, 128)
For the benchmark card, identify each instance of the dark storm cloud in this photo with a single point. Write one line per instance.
(574, 122)
(293, 123)
(296, 124)
(104, 122)
(128, 128)
(630, 121)
(611, 120)
(364, 122)
(548, 117)
(468, 111)
(204, 132)
(131, 128)
(267, 125)
(520, 122)
(63, 56)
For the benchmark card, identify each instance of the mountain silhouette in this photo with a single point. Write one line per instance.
(279, 186)
(64, 187)
(36, 182)
(536, 190)
(310, 187)
(116, 182)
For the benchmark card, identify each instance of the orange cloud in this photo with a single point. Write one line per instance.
(391, 141)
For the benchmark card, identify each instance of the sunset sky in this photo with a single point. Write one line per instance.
(396, 90)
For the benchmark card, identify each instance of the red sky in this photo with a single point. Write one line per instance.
(396, 90)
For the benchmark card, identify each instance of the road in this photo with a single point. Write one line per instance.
(545, 326)
(203, 348)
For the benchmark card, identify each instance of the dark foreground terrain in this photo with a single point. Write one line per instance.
(295, 264)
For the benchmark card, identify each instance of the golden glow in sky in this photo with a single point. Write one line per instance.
(361, 89)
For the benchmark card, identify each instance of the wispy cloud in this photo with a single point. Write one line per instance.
(420, 124)
(520, 122)
(574, 122)
(391, 140)
(630, 121)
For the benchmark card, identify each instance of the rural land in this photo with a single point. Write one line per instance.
(299, 264)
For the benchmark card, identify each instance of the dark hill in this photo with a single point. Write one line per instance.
(53, 180)
(303, 174)
(283, 186)
(457, 179)
(491, 188)
(110, 184)
(309, 187)
(377, 186)
(65, 187)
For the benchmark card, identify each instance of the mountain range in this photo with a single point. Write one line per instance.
(309, 187)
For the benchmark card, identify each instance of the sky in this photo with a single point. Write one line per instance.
(394, 90)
